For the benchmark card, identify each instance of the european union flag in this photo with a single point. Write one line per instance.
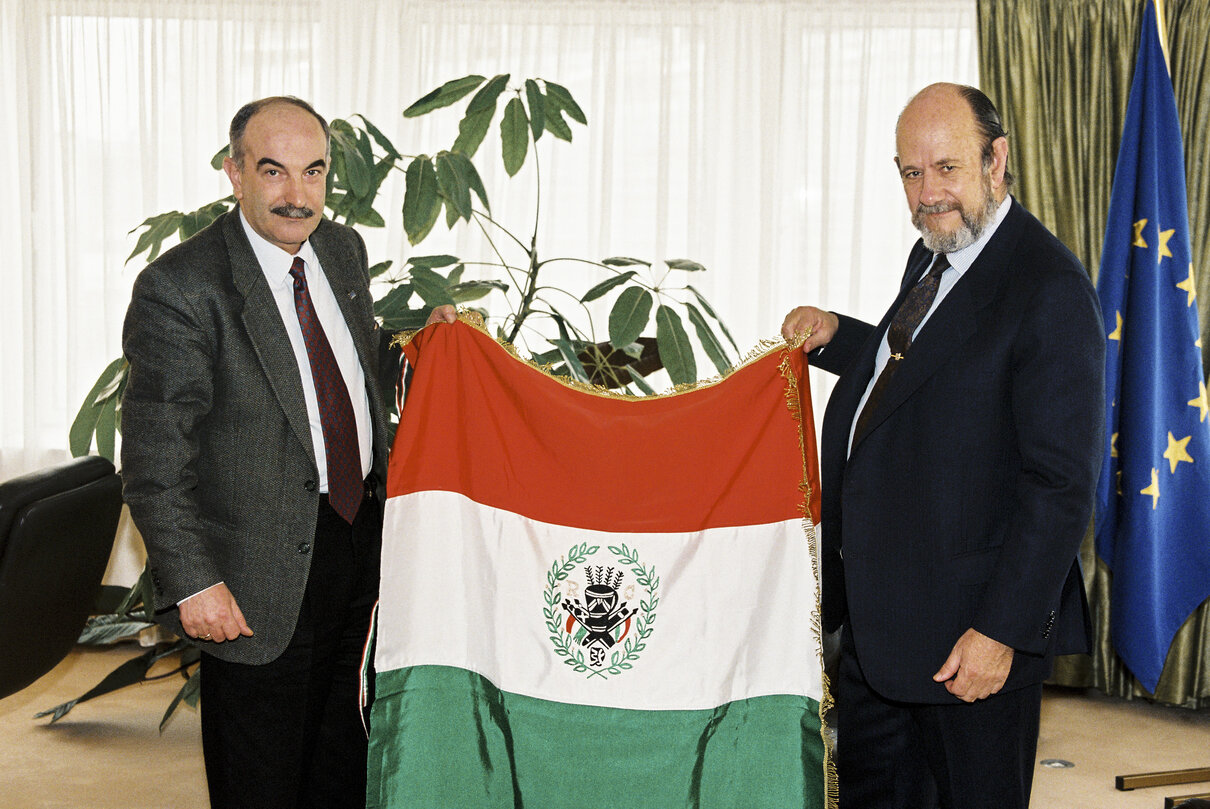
(1153, 498)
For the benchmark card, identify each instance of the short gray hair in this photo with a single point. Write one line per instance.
(240, 122)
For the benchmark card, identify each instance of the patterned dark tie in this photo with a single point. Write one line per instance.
(899, 335)
(345, 485)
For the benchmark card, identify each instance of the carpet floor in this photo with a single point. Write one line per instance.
(109, 753)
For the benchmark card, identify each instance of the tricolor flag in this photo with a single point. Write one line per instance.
(1153, 498)
(597, 601)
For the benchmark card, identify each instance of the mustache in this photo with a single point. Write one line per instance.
(293, 211)
(940, 207)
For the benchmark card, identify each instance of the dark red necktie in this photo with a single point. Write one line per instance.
(345, 485)
(899, 335)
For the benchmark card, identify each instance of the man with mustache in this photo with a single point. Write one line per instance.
(960, 452)
(253, 457)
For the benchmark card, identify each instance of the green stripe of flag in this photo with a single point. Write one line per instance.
(468, 744)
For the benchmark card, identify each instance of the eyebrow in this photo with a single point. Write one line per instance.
(268, 161)
(945, 161)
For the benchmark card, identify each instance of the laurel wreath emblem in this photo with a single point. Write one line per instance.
(622, 659)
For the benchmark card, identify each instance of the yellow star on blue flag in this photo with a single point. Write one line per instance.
(1153, 498)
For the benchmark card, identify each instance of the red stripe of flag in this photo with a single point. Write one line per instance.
(725, 454)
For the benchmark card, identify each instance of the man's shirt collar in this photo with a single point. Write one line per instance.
(961, 260)
(274, 261)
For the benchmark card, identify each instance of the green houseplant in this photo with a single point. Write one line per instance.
(550, 324)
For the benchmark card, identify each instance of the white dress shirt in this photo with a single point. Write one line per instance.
(276, 263)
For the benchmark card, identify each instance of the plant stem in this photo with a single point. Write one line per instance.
(531, 283)
(592, 336)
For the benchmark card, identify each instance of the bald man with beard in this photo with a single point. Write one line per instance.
(959, 457)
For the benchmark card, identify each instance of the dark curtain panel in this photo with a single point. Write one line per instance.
(1060, 73)
(1188, 35)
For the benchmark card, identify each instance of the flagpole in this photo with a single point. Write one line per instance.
(1161, 23)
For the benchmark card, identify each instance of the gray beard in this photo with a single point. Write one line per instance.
(973, 224)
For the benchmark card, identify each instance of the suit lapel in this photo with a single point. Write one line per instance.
(262, 320)
(952, 324)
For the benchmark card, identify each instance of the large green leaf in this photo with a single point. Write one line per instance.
(365, 150)
(558, 94)
(705, 335)
(472, 178)
(432, 262)
(537, 108)
(431, 287)
(471, 130)
(188, 694)
(101, 630)
(194, 221)
(216, 162)
(135, 596)
(379, 268)
(673, 343)
(407, 319)
(349, 160)
(710, 311)
(486, 97)
(366, 216)
(453, 185)
(467, 178)
(555, 124)
(514, 136)
(131, 672)
(639, 382)
(546, 357)
(336, 182)
(606, 285)
(109, 596)
(79, 438)
(395, 313)
(474, 290)
(569, 353)
(625, 261)
(451, 213)
(381, 139)
(107, 428)
(159, 228)
(684, 264)
(629, 316)
(443, 96)
(394, 302)
(421, 200)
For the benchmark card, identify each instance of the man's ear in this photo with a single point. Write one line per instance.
(999, 161)
(234, 175)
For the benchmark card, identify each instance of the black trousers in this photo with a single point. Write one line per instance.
(896, 755)
(289, 734)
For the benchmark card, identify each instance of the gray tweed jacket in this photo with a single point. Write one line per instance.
(218, 465)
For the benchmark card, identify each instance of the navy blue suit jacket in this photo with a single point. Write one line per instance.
(965, 502)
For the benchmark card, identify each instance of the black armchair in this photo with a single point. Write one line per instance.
(57, 528)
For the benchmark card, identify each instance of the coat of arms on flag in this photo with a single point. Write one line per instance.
(597, 600)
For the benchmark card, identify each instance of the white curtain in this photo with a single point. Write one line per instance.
(753, 136)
